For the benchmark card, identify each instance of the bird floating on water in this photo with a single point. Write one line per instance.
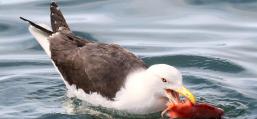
(106, 74)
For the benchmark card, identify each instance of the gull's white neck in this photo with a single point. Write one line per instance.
(140, 94)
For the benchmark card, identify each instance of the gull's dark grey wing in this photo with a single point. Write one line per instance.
(94, 67)
(90, 66)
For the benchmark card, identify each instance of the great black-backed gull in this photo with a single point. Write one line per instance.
(106, 74)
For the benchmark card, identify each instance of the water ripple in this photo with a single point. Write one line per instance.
(215, 64)
(212, 42)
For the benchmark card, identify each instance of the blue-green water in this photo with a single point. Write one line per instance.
(213, 43)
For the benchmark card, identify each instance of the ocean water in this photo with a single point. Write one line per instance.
(213, 43)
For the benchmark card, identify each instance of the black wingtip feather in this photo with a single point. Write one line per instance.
(37, 26)
(23, 19)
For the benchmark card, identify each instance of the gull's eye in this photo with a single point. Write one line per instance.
(164, 80)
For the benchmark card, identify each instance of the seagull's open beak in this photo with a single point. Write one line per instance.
(174, 97)
(185, 92)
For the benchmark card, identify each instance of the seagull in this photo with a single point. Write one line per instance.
(107, 75)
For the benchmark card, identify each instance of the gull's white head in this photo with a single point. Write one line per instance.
(168, 79)
(148, 91)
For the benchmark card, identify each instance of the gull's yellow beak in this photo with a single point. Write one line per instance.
(185, 92)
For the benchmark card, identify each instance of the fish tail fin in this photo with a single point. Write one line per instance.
(58, 21)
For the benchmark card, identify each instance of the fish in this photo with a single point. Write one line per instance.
(183, 108)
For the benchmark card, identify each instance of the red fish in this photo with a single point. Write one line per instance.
(186, 109)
